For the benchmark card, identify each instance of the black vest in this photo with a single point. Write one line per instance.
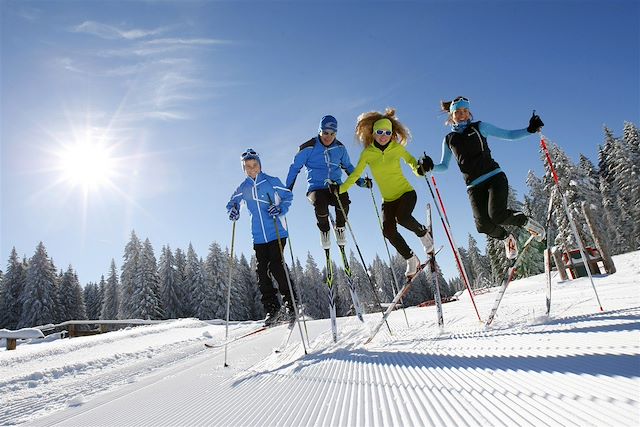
(471, 152)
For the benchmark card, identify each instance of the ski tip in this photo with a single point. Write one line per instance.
(226, 365)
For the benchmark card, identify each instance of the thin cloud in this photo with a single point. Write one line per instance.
(111, 32)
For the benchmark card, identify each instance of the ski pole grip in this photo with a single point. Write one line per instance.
(548, 156)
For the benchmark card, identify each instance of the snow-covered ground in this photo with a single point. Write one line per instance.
(577, 366)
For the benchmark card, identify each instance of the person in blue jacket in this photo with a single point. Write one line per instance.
(487, 184)
(325, 158)
(266, 199)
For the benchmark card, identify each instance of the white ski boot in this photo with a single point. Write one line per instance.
(341, 237)
(536, 229)
(325, 239)
(510, 247)
(427, 243)
(413, 264)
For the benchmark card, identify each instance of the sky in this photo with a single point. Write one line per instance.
(131, 115)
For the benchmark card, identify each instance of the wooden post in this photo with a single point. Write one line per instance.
(562, 268)
(72, 331)
(11, 343)
(609, 266)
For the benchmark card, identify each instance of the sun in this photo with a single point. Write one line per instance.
(87, 163)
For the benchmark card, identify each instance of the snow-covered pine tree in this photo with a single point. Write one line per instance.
(146, 293)
(238, 306)
(38, 295)
(631, 139)
(617, 181)
(92, 299)
(247, 286)
(382, 277)
(315, 290)
(363, 287)
(217, 272)
(464, 258)
(479, 265)
(181, 283)
(70, 299)
(202, 298)
(111, 298)
(169, 285)
(129, 276)
(13, 284)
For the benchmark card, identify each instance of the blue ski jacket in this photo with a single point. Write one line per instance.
(323, 164)
(258, 195)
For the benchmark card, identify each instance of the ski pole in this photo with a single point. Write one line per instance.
(453, 245)
(226, 333)
(463, 272)
(364, 265)
(286, 274)
(293, 263)
(395, 284)
(574, 229)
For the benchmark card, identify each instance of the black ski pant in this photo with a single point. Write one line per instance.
(400, 212)
(489, 205)
(269, 260)
(321, 200)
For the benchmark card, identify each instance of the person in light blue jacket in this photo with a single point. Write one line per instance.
(267, 199)
(325, 158)
(487, 184)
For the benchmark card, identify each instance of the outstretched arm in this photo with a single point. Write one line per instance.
(446, 158)
(487, 129)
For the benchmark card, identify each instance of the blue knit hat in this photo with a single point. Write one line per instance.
(328, 123)
(250, 154)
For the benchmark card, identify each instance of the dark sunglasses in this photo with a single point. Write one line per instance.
(460, 98)
(383, 132)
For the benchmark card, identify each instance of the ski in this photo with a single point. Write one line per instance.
(239, 337)
(508, 277)
(332, 300)
(433, 268)
(357, 305)
(401, 293)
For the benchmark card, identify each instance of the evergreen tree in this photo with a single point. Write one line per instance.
(38, 295)
(129, 277)
(70, 299)
(239, 302)
(363, 286)
(247, 285)
(111, 299)
(147, 290)
(479, 265)
(257, 298)
(13, 284)
(383, 278)
(216, 274)
(181, 283)
(315, 290)
(202, 296)
(92, 299)
(169, 285)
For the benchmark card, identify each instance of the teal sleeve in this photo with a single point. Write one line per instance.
(487, 129)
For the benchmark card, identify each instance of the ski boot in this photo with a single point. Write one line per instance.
(427, 242)
(413, 264)
(325, 239)
(510, 247)
(341, 237)
(536, 229)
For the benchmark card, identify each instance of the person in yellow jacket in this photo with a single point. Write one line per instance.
(384, 139)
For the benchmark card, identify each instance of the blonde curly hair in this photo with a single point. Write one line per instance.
(364, 127)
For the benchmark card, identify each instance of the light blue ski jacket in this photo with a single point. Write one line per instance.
(258, 195)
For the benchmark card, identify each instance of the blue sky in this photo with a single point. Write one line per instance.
(172, 92)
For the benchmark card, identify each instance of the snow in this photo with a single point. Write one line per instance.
(24, 333)
(577, 366)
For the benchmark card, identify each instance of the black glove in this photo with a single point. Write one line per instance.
(334, 187)
(425, 164)
(365, 182)
(535, 123)
(234, 213)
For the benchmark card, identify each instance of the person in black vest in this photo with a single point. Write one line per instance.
(487, 184)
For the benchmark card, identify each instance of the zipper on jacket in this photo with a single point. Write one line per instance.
(482, 147)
